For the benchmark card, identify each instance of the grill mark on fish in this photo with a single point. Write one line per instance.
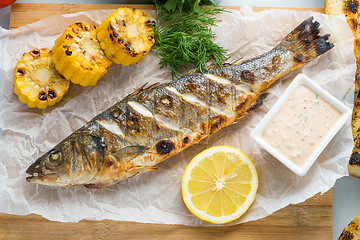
(149, 118)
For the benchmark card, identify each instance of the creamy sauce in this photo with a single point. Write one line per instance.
(301, 124)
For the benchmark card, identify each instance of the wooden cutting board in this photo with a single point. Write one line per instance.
(309, 220)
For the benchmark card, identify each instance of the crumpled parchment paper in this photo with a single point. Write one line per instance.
(155, 197)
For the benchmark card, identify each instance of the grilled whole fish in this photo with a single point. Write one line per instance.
(154, 123)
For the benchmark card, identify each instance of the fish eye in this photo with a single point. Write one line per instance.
(55, 158)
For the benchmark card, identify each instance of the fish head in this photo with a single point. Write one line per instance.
(53, 168)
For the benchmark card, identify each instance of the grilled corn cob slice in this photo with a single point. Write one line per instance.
(78, 55)
(126, 36)
(36, 81)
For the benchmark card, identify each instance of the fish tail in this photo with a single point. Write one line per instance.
(305, 42)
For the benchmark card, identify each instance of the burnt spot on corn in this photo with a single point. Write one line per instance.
(346, 235)
(51, 94)
(216, 123)
(111, 37)
(65, 46)
(351, 6)
(164, 147)
(75, 30)
(167, 101)
(69, 36)
(68, 52)
(127, 47)
(111, 27)
(61, 76)
(355, 159)
(20, 72)
(123, 23)
(115, 34)
(120, 40)
(35, 53)
(186, 140)
(86, 28)
(86, 68)
(248, 76)
(42, 96)
(353, 24)
(259, 101)
(80, 25)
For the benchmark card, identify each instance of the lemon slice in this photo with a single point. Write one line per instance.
(219, 184)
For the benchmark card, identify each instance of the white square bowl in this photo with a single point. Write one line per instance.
(301, 79)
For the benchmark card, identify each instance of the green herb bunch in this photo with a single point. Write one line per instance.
(183, 35)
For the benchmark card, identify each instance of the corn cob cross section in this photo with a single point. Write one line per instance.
(36, 81)
(78, 55)
(126, 35)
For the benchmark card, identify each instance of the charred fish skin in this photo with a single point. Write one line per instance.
(154, 123)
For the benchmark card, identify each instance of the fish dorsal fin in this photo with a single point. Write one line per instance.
(134, 93)
(191, 72)
(128, 153)
(139, 91)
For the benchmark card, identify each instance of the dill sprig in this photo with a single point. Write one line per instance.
(184, 37)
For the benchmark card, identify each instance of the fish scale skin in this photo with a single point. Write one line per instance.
(153, 124)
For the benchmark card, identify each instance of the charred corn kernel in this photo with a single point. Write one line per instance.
(36, 81)
(78, 55)
(126, 36)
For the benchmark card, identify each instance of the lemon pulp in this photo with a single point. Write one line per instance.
(219, 184)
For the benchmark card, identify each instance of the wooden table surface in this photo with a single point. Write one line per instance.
(309, 220)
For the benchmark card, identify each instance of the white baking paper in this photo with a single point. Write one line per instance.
(155, 197)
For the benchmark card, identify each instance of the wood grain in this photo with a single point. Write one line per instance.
(311, 219)
(26, 13)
